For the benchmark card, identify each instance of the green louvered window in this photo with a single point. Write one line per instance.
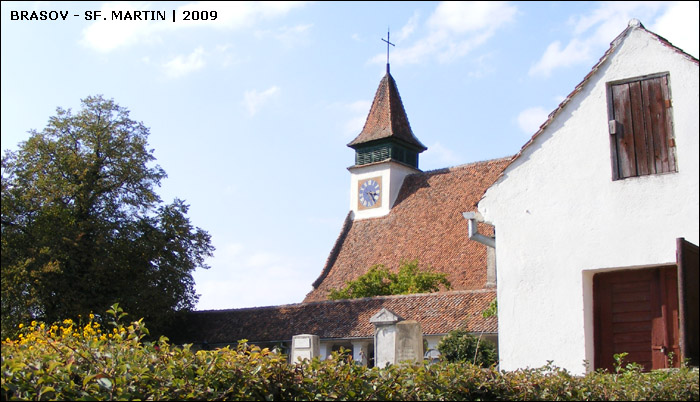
(384, 152)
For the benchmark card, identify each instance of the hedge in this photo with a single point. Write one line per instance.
(75, 361)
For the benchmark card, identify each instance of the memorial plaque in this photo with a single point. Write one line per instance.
(302, 343)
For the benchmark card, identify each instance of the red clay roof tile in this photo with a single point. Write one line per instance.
(438, 314)
(387, 117)
(425, 223)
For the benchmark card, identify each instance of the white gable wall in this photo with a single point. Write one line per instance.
(559, 216)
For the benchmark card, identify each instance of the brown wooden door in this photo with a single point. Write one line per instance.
(636, 311)
(688, 279)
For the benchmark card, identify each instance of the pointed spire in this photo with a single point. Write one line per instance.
(387, 118)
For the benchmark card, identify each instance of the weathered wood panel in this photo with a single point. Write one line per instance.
(634, 313)
(642, 143)
(688, 279)
(624, 138)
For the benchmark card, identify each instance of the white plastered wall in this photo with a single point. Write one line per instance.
(559, 216)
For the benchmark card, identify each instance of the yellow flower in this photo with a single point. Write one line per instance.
(92, 316)
(21, 325)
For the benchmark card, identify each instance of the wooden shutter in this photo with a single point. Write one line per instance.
(642, 128)
(688, 279)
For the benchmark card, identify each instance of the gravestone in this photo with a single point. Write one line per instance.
(409, 341)
(305, 346)
(385, 337)
(396, 340)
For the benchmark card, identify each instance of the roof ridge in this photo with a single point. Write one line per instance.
(668, 43)
(358, 300)
(464, 165)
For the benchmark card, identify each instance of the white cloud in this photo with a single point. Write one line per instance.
(677, 25)
(530, 120)
(359, 110)
(288, 36)
(454, 29)
(107, 35)
(439, 155)
(244, 278)
(182, 65)
(592, 33)
(253, 99)
(482, 66)
(575, 52)
(225, 55)
(473, 16)
(410, 27)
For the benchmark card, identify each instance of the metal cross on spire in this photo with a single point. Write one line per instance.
(387, 49)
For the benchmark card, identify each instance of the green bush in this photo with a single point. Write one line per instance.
(69, 361)
(460, 346)
(380, 281)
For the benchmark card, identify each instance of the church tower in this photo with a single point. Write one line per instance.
(386, 151)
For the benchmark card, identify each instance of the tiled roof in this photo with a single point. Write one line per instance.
(387, 117)
(633, 24)
(426, 224)
(438, 313)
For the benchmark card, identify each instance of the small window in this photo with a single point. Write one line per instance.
(641, 127)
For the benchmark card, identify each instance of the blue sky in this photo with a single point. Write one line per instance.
(250, 114)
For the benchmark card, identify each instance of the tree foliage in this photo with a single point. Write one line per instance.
(380, 281)
(460, 346)
(491, 310)
(82, 225)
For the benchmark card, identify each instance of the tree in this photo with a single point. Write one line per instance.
(379, 281)
(83, 228)
(460, 346)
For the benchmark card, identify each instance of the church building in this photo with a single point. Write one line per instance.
(597, 221)
(397, 213)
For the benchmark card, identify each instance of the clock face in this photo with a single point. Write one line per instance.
(369, 193)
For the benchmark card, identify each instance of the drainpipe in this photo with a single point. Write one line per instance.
(473, 231)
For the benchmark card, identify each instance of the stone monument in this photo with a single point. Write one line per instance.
(396, 340)
(305, 346)
(409, 341)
